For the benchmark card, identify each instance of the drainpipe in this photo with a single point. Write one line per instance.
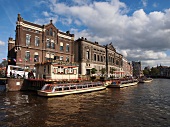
(106, 47)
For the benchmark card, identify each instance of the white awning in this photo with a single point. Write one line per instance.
(47, 55)
(52, 56)
(61, 43)
(36, 53)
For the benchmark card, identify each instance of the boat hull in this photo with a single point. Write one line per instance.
(145, 81)
(122, 85)
(63, 93)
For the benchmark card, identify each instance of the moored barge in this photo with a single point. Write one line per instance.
(121, 84)
(50, 90)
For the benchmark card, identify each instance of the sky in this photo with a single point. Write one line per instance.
(138, 29)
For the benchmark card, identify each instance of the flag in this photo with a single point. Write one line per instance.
(4, 59)
(20, 60)
(14, 60)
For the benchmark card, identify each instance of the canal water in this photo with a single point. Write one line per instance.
(143, 105)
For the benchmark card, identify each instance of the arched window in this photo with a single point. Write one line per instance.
(51, 32)
(87, 54)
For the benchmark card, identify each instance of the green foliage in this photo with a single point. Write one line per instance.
(103, 71)
(146, 72)
(93, 78)
(112, 70)
(93, 70)
(154, 71)
(4, 63)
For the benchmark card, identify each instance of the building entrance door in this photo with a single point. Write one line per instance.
(87, 71)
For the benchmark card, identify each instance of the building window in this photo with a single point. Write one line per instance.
(54, 34)
(27, 56)
(94, 57)
(60, 69)
(47, 32)
(67, 47)
(61, 46)
(51, 32)
(101, 58)
(37, 41)
(53, 45)
(117, 62)
(98, 58)
(67, 59)
(87, 54)
(36, 58)
(48, 43)
(28, 39)
(52, 56)
(61, 58)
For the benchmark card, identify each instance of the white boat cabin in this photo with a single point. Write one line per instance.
(55, 71)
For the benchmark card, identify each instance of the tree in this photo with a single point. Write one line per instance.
(103, 71)
(3, 64)
(112, 71)
(146, 72)
(93, 70)
(154, 71)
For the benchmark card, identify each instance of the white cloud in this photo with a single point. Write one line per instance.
(144, 2)
(46, 20)
(2, 43)
(45, 13)
(155, 5)
(141, 36)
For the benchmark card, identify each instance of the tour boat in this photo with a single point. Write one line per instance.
(123, 83)
(145, 80)
(50, 90)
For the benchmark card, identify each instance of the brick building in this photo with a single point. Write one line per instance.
(39, 43)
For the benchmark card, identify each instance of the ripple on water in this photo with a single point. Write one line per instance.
(144, 105)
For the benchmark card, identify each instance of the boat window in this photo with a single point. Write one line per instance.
(58, 89)
(84, 86)
(79, 86)
(48, 87)
(66, 88)
(73, 87)
(90, 85)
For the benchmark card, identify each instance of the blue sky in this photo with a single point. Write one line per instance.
(138, 29)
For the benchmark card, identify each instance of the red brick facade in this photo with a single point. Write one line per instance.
(39, 43)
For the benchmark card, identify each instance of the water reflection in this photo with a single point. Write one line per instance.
(141, 105)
